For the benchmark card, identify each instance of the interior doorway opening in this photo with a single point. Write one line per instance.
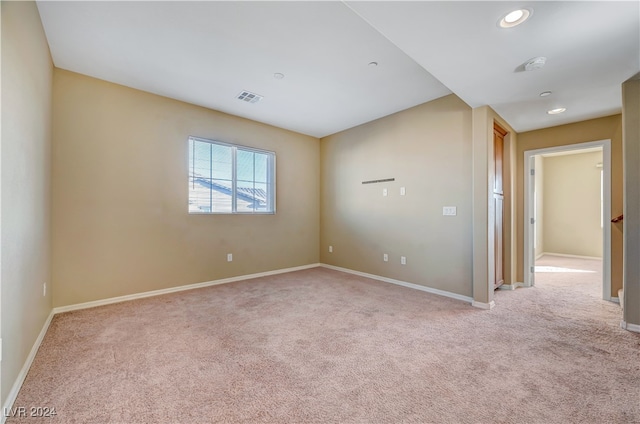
(567, 216)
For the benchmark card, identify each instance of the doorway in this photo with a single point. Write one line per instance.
(564, 240)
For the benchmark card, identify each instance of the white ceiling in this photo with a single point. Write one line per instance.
(206, 53)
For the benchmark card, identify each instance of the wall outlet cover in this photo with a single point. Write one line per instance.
(449, 211)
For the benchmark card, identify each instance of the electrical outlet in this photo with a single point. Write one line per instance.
(330, 249)
(449, 211)
(385, 257)
(229, 257)
(403, 191)
(44, 289)
(403, 260)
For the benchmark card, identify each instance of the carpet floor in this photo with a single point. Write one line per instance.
(320, 346)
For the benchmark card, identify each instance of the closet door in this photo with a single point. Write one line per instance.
(498, 203)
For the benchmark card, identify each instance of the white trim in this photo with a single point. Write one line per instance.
(529, 213)
(152, 293)
(565, 255)
(630, 327)
(17, 385)
(482, 305)
(402, 283)
(615, 300)
(540, 255)
(606, 239)
(511, 286)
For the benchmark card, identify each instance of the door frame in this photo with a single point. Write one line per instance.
(529, 252)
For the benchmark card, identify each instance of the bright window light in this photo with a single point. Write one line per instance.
(227, 178)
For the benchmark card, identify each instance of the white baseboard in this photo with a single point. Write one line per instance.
(615, 300)
(630, 327)
(401, 283)
(540, 255)
(564, 255)
(511, 286)
(13, 394)
(152, 293)
(482, 305)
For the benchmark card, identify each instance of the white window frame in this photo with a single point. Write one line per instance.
(271, 178)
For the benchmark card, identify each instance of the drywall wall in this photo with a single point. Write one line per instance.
(427, 150)
(631, 125)
(572, 204)
(25, 185)
(120, 221)
(606, 128)
(483, 121)
(539, 199)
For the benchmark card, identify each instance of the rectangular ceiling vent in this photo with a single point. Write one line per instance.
(249, 97)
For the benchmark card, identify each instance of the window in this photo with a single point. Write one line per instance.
(226, 178)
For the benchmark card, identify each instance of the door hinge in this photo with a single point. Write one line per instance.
(533, 172)
(533, 221)
(533, 269)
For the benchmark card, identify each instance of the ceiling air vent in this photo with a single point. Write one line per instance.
(249, 97)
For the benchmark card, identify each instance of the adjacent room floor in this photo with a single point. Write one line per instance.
(320, 346)
(568, 274)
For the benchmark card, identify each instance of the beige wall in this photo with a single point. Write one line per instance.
(25, 187)
(631, 124)
(427, 149)
(609, 127)
(572, 204)
(539, 198)
(483, 120)
(120, 221)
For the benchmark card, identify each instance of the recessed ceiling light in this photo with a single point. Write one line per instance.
(373, 64)
(278, 75)
(515, 17)
(556, 110)
(545, 93)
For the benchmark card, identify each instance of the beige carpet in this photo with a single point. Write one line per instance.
(321, 346)
(570, 274)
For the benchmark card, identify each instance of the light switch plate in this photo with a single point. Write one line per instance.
(449, 211)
